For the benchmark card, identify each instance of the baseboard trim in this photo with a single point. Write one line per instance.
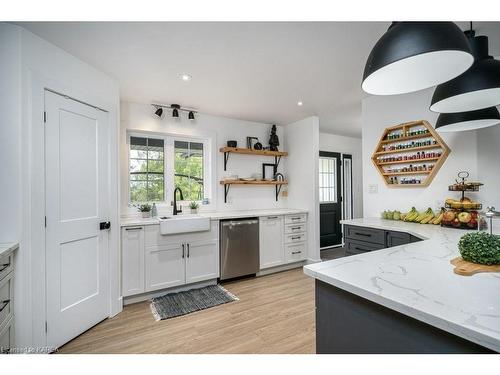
(284, 267)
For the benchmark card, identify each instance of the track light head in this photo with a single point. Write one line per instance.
(191, 115)
(159, 112)
(175, 112)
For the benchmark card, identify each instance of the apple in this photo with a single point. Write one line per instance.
(464, 217)
(473, 214)
(449, 216)
(472, 223)
(456, 223)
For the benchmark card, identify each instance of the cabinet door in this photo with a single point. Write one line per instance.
(202, 261)
(397, 238)
(272, 251)
(165, 266)
(132, 260)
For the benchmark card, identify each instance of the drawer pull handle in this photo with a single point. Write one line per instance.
(4, 266)
(182, 251)
(296, 237)
(296, 252)
(295, 218)
(134, 228)
(295, 228)
(363, 234)
(5, 303)
(188, 249)
(272, 217)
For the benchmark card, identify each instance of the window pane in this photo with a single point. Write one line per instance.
(138, 165)
(327, 180)
(138, 176)
(138, 191)
(155, 190)
(138, 154)
(189, 169)
(155, 166)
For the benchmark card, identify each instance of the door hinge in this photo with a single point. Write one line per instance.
(44, 116)
(46, 327)
(45, 221)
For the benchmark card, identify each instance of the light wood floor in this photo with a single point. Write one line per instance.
(275, 314)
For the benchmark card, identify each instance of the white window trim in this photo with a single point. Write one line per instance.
(209, 166)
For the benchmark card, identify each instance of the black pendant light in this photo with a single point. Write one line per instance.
(191, 115)
(175, 112)
(412, 56)
(159, 112)
(472, 120)
(478, 87)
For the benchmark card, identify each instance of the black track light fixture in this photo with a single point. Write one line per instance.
(478, 87)
(191, 115)
(472, 120)
(175, 110)
(413, 56)
(159, 112)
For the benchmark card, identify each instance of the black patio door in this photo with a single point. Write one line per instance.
(330, 199)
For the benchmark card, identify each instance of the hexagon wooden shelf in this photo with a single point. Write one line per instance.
(410, 154)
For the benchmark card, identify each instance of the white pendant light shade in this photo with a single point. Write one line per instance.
(412, 56)
(463, 121)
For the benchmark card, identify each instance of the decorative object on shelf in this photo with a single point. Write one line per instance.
(245, 151)
(463, 213)
(145, 210)
(477, 88)
(232, 144)
(274, 140)
(279, 177)
(268, 170)
(251, 141)
(194, 207)
(472, 120)
(175, 110)
(410, 154)
(257, 146)
(412, 56)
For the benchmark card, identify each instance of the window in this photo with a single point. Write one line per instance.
(158, 164)
(327, 180)
(188, 166)
(147, 177)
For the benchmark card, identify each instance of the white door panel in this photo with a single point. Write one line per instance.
(271, 249)
(77, 198)
(165, 266)
(202, 261)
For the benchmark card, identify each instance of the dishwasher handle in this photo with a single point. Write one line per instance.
(238, 223)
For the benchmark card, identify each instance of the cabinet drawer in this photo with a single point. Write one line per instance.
(6, 301)
(293, 238)
(294, 219)
(6, 265)
(295, 252)
(296, 228)
(7, 337)
(365, 234)
(360, 246)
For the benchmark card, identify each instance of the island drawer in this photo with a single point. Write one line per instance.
(295, 228)
(357, 247)
(294, 219)
(375, 236)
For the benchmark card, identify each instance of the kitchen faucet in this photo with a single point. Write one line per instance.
(176, 210)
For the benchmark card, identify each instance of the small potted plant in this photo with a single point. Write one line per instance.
(145, 209)
(194, 207)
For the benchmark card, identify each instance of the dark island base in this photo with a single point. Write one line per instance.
(349, 324)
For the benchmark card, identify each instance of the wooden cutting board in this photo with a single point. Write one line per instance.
(464, 268)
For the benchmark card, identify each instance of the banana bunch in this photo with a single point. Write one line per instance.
(428, 217)
(437, 220)
(411, 215)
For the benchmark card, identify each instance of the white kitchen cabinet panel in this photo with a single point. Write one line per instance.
(295, 252)
(271, 230)
(165, 266)
(202, 261)
(295, 219)
(132, 260)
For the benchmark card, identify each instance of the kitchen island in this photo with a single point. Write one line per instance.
(405, 299)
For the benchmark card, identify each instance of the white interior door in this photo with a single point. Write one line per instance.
(77, 200)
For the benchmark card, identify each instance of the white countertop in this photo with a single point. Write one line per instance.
(129, 221)
(418, 280)
(8, 247)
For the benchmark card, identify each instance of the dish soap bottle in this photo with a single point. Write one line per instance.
(154, 211)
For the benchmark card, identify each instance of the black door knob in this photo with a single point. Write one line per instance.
(104, 225)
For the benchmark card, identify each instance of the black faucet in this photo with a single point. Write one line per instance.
(176, 210)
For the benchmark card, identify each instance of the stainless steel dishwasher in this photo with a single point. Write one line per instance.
(239, 247)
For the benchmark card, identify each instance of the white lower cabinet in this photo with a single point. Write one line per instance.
(152, 262)
(283, 240)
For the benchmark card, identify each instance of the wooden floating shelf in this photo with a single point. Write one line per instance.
(241, 182)
(405, 173)
(407, 161)
(408, 138)
(412, 149)
(248, 151)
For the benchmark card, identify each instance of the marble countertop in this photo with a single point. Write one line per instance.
(418, 280)
(7, 247)
(218, 215)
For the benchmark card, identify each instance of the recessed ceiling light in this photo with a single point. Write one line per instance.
(186, 77)
(300, 104)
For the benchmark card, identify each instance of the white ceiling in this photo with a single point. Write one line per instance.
(246, 70)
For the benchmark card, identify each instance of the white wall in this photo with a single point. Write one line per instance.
(352, 146)
(488, 149)
(379, 112)
(135, 116)
(302, 143)
(36, 64)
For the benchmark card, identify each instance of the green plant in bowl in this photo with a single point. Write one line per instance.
(480, 247)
